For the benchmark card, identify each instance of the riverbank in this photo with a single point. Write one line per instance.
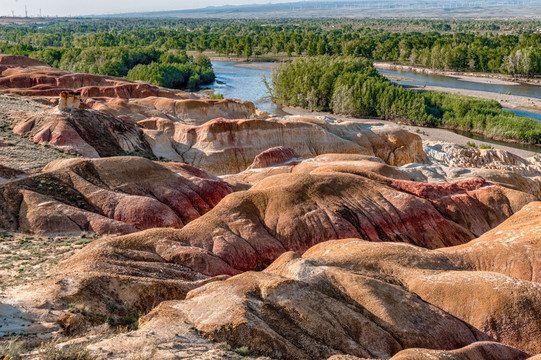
(258, 65)
(213, 56)
(433, 134)
(507, 101)
(484, 78)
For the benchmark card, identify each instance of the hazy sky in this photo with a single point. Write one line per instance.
(86, 7)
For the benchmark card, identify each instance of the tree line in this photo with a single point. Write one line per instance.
(352, 86)
(512, 48)
(168, 68)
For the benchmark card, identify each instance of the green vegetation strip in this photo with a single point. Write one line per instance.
(114, 46)
(352, 86)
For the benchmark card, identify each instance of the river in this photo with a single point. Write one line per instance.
(415, 78)
(245, 83)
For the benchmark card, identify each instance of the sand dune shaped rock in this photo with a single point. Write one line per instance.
(248, 230)
(374, 300)
(224, 146)
(112, 195)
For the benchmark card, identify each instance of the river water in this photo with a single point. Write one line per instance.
(414, 78)
(244, 83)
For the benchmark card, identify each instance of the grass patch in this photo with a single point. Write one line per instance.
(51, 351)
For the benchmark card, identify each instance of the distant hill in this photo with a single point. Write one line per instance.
(501, 9)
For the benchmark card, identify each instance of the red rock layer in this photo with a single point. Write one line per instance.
(248, 230)
(113, 195)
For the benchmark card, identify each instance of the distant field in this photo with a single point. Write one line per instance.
(433, 9)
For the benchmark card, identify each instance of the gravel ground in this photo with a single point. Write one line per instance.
(21, 153)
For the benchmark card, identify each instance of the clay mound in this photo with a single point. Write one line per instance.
(19, 61)
(224, 146)
(125, 91)
(414, 172)
(484, 350)
(179, 109)
(29, 80)
(519, 235)
(290, 212)
(85, 132)
(374, 300)
(274, 156)
(113, 195)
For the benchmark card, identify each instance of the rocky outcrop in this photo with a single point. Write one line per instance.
(69, 100)
(18, 61)
(108, 196)
(376, 300)
(224, 146)
(455, 155)
(85, 132)
(248, 230)
(177, 110)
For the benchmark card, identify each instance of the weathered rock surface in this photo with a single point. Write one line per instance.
(359, 163)
(484, 350)
(113, 195)
(290, 212)
(85, 132)
(228, 146)
(19, 61)
(458, 156)
(181, 109)
(374, 300)
(279, 155)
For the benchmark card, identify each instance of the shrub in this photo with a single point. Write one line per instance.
(346, 85)
(12, 350)
(352, 86)
(51, 351)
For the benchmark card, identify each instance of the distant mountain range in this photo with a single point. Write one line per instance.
(362, 8)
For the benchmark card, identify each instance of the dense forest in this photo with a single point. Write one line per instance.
(99, 46)
(352, 86)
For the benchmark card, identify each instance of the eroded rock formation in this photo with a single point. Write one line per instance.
(108, 196)
(85, 132)
(467, 157)
(374, 300)
(290, 212)
(224, 146)
(414, 172)
(344, 240)
(69, 100)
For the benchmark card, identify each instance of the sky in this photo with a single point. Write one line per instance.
(98, 7)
